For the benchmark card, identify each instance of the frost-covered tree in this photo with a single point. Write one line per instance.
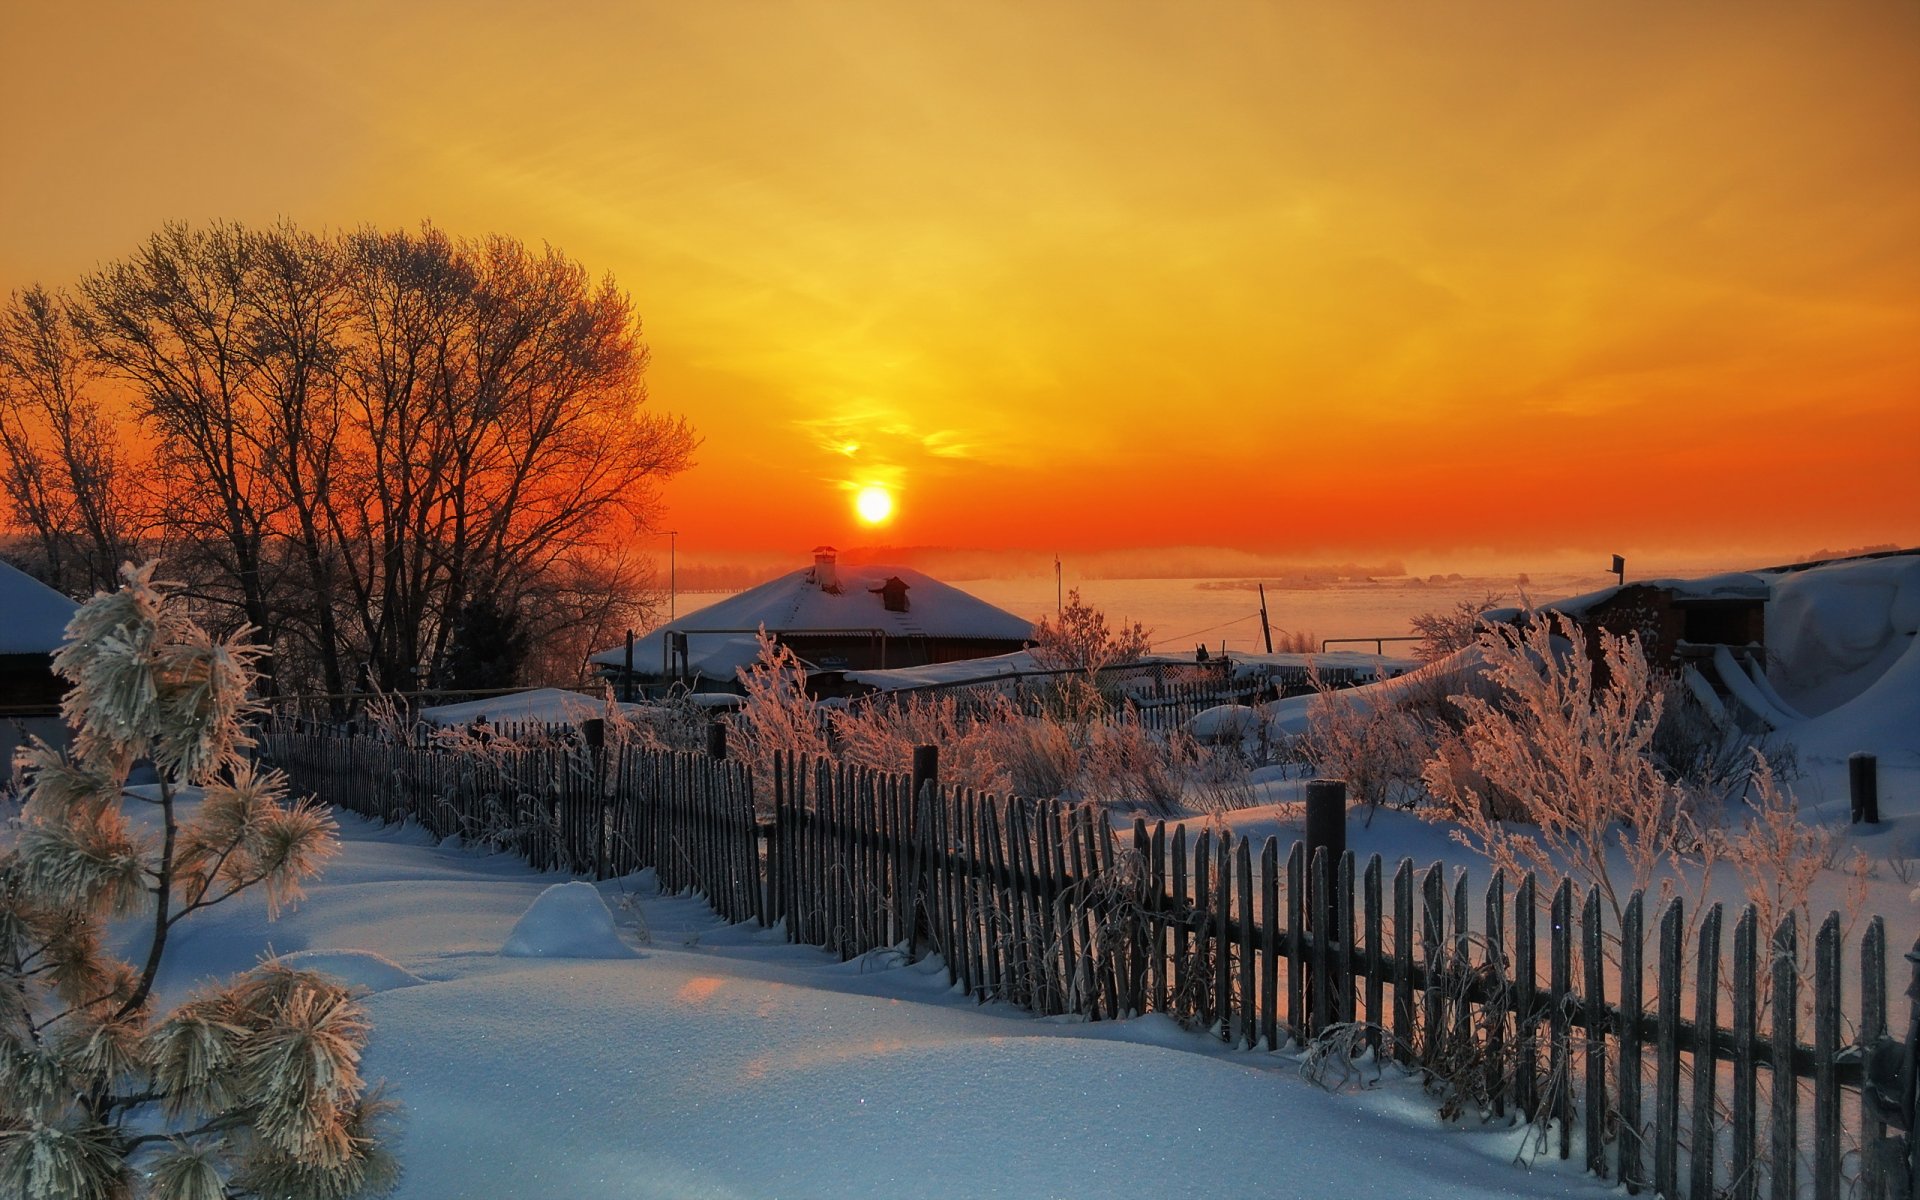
(251, 1088)
(1080, 638)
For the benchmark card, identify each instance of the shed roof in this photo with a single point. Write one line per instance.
(35, 616)
(721, 636)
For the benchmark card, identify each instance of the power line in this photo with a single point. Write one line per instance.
(1200, 632)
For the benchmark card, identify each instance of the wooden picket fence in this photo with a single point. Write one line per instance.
(1671, 1058)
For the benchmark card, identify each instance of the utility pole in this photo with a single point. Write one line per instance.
(673, 574)
(1266, 627)
(1059, 596)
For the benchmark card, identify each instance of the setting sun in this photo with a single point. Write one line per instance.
(874, 504)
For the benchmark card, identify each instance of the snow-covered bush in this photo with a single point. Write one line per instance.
(1127, 765)
(1379, 745)
(251, 1087)
(1446, 631)
(882, 735)
(1568, 756)
(778, 718)
(1080, 639)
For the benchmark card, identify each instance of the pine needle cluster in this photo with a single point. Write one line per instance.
(248, 1089)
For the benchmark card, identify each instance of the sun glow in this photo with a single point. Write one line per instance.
(874, 504)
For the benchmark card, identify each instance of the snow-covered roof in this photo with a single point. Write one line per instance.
(552, 706)
(721, 637)
(35, 617)
(1734, 585)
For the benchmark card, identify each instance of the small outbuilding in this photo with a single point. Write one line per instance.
(33, 624)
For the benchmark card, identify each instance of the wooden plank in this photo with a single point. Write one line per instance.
(1706, 1019)
(1223, 1007)
(1745, 1179)
(1629, 1164)
(1461, 962)
(1179, 999)
(1403, 938)
(1320, 1011)
(1560, 985)
(1783, 1111)
(1060, 903)
(1297, 1016)
(1594, 1015)
(1200, 973)
(1270, 943)
(1666, 1054)
(1826, 1057)
(1434, 955)
(1498, 1005)
(1873, 1025)
(999, 890)
(1343, 929)
(1157, 963)
(1249, 1008)
(1376, 955)
(1116, 930)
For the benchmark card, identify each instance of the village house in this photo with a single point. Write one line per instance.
(834, 618)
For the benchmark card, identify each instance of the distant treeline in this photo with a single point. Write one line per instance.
(402, 458)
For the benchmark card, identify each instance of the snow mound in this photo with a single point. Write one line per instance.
(568, 920)
(1834, 632)
(357, 968)
(1225, 723)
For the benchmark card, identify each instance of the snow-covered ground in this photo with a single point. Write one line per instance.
(719, 1061)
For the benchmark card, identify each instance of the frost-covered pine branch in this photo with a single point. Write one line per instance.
(251, 1088)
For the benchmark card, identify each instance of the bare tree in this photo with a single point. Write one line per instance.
(362, 441)
(65, 474)
(172, 322)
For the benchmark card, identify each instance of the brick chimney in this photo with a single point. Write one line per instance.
(826, 575)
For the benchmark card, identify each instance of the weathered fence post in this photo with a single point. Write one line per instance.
(593, 731)
(920, 827)
(1863, 786)
(1327, 818)
(1326, 843)
(717, 740)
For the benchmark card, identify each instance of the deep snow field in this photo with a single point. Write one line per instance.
(697, 1059)
(608, 1041)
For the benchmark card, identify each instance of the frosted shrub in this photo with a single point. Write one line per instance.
(1039, 757)
(1778, 857)
(1128, 766)
(1080, 639)
(779, 718)
(1081, 643)
(882, 735)
(251, 1087)
(1378, 746)
(1569, 757)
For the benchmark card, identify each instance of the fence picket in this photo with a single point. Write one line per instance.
(1826, 1055)
(1746, 991)
(1595, 1020)
(1706, 1017)
(1781, 1143)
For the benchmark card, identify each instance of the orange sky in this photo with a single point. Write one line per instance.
(1415, 279)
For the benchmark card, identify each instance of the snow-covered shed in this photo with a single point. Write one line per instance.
(33, 624)
(834, 617)
(1678, 619)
